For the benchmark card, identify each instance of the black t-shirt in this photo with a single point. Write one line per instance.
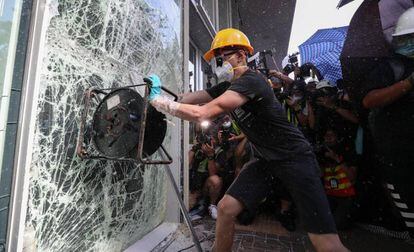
(392, 125)
(262, 118)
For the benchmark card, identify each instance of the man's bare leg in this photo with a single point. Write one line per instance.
(327, 243)
(228, 209)
(213, 187)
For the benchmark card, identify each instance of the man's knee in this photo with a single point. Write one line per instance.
(214, 181)
(229, 206)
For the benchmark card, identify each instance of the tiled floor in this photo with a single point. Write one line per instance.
(266, 235)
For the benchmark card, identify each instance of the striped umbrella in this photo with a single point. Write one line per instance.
(323, 50)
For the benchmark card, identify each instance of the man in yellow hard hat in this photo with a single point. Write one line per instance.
(280, 149)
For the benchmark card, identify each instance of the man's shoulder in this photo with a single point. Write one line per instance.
(250, 78)
(252, 75)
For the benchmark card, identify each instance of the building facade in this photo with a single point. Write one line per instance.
(51, 52)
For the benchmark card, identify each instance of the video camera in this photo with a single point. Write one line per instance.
(258, 62)
(293, 62)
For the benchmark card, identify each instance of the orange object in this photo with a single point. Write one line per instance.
(228, 37)
(337, 183)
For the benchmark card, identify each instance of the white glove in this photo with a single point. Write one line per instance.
(164, 105)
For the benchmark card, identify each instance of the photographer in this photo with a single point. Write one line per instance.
(326, 110)
(296, 109)
(199, 173)
(221, 165)
(337, 163)
(207, 176)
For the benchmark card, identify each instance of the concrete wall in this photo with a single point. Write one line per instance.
(268, 24)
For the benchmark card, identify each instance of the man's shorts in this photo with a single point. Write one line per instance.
(300, 176)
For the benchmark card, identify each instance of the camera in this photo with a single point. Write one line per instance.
(258, 62)
(225, 134)
(320, 149)
(203, 138)
(293, 62)
(323, 92)
(281, 94)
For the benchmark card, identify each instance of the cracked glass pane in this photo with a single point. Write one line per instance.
(96, 205)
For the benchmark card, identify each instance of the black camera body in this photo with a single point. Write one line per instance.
(320, 149)
(281, 95)
(203, 138)
(324, 92)
(225, 134)
(293, 63)
(258, 62)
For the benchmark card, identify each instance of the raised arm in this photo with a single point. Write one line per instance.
(388, 95)
(225, 103)
(198, 97)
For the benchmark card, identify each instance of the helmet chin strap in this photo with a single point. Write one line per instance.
(237, 67)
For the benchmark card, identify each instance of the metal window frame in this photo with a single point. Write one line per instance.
(205, 17)
(199, 73)
(19, 199)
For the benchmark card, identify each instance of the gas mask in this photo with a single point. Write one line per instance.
(222, 69)
(405, 47)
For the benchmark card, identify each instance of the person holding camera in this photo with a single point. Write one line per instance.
(337, 163)
(280, 149)
(199, 174)
(326, 110)
(212, 169)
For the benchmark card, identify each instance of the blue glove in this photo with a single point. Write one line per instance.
(156, 87)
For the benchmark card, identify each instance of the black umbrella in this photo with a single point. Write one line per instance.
(343, 2)
(364, 47)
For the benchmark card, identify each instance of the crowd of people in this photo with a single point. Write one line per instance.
(297, 142)
(324, 115)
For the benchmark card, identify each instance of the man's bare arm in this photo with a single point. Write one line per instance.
(385, 96)
(198, 97)
(225, 103)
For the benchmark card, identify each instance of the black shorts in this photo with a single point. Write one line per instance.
(301, 178)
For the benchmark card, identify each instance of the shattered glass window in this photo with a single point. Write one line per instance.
(96, 205)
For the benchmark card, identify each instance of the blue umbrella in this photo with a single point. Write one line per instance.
(323, 50)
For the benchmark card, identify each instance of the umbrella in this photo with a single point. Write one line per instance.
(323, 50)
(343, 2)
(364, 47)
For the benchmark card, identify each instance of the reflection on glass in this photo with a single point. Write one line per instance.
(209, 7)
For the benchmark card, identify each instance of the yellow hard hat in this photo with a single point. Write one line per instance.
(228, 37)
